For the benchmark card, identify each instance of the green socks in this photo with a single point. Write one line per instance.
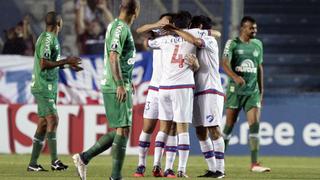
(118, 154)
(101, 145)
(227, 135)
(36, 147)
(52, 143)
(254, 141)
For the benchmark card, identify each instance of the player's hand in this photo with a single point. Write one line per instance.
(121, 94)
(239, 80)
(162, 22)
(73, 61)
(76, 68)
(215, 33)
(192, 61)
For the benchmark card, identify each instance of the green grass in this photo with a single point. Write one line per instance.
(237, 167)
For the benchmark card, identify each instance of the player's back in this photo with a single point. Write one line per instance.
(175, 71)
(208, 76)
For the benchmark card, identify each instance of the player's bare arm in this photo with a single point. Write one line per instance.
(117, 76)
(185, 35)
(226, 67)
(71, 60)
(215, 33)
(148, 27)
(260, 81)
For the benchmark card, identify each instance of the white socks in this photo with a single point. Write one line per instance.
(218, 146)
(183, 148)
(208, 153)
(161, 138)
(171, 151)
(144, 144)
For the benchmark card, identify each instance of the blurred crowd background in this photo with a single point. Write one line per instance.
(289, 29)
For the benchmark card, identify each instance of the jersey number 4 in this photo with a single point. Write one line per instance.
(177, 58)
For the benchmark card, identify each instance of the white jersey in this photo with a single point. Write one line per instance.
(175, 73)
(156, 72)
(208, 77)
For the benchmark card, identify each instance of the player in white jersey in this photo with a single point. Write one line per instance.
(176, 88)
(150, 114)
(208, 102)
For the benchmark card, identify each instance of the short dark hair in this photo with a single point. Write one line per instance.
(167, 14)
(182, 19)
(247, 19)
(52, 18)
(205, 21)
(129, 6)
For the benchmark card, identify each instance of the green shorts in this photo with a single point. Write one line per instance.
(119, 114)
(46, 106)
(247, 102)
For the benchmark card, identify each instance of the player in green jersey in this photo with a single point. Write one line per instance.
(116, 86)
(44, 89)
(242, 62)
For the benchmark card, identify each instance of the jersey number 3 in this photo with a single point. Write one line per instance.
(177, 58)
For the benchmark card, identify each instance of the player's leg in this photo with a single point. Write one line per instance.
(201, 115)
(161, 138)
(206, 147)
(38, 141)
(52, 119)
(165, 117)
(119, 151)
(219, 149)
(183, 106)
(171, 151)
(231, 119)
(252, 108)
(150, 116)
(233, 108)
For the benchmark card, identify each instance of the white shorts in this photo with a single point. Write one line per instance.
(151, 107)
(208, 109)
(176, 105)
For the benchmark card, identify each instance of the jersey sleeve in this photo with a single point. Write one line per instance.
(261, 52)
(210, 43)
(228, 49)
(45, 47)
(118, 35)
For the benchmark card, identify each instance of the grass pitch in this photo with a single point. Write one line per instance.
(14, 167)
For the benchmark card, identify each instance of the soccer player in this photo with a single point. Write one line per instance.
(116, 86)
(242, 62)
(176, 89)
(151, 108)
(208, 101)
(44, 87)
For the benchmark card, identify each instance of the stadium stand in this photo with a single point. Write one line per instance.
(290, 32)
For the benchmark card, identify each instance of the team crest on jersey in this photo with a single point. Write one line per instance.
(255, 53)
(114, 46)
(246, 66)
(209, 118)
(240, 51)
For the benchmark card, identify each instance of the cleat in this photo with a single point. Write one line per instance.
(57, 165)
(208, 174)
(169, 173)
(81, 167)
(256, 167)
(36, 167)
(140, 171)
(157, 172)
(219, 175)
(182, 175)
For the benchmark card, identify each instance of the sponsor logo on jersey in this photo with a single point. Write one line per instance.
(247, 66)
(240, 51)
